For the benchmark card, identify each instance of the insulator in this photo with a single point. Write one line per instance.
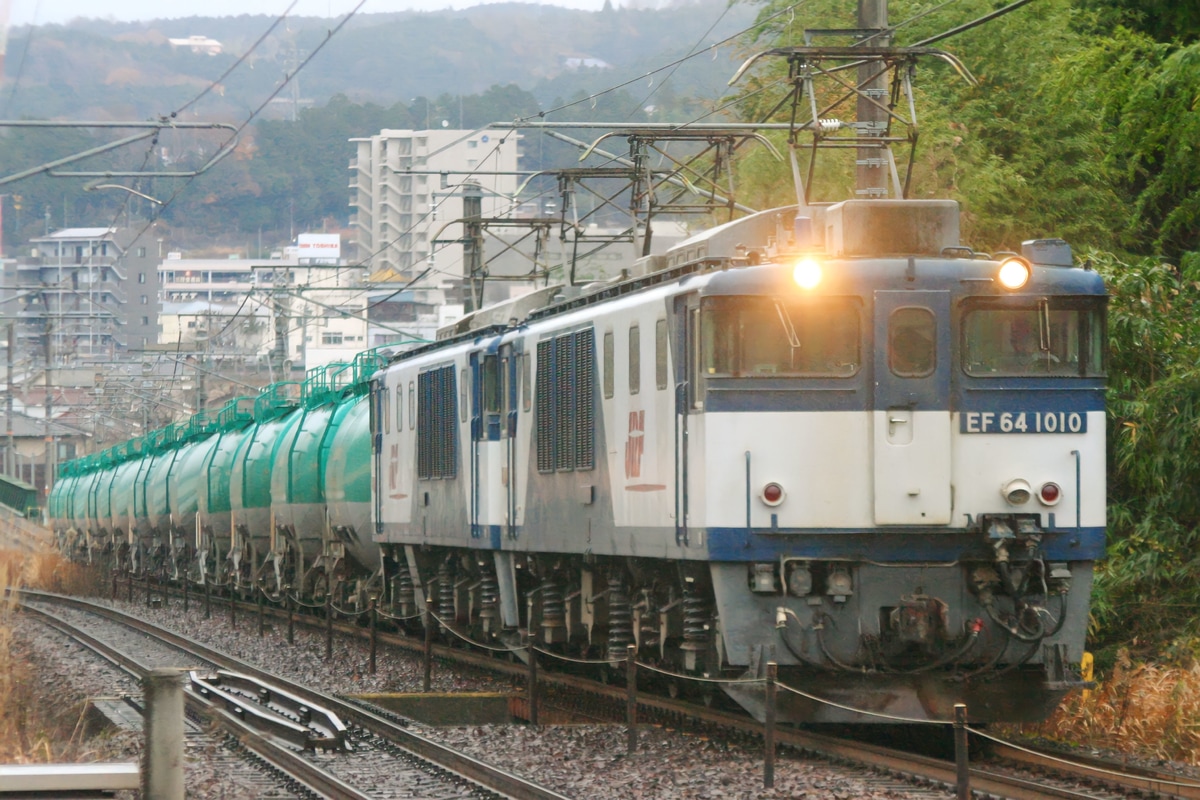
(445, 594)
(620, 620)
(829, 125)
(695, 620)
(554, 612)
(648, 627)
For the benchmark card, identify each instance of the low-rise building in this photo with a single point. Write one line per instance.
(94, 291)
(304, 308)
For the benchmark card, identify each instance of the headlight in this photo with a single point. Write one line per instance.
(807, 273)
(1014, 273)
(1017, 491)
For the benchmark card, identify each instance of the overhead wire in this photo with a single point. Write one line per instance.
(241, 59)
(664, 67)
(127, 199)
(158, 212)
(24, 56)
(672, 66)
(237, 132)
(693, 51)
(365, 260)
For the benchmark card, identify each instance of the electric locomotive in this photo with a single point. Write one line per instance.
(833, 438)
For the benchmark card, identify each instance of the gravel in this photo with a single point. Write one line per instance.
(581, 761)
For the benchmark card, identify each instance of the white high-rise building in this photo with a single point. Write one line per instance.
(407, 190)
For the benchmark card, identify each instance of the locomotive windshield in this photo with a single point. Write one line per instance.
(1050, 336)
(763, 337)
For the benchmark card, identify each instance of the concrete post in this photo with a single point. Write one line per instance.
(162, 772)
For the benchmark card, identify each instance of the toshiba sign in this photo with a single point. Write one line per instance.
(319, 247)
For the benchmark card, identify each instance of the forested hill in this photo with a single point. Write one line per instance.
(93, 69)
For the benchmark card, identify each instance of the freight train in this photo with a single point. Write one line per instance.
(834, 438)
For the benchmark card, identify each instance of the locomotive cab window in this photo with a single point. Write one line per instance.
(912, 342)
(635, 360)
(767, 337)
(491, 385)
(660, 354)
(1046, 337)
(464, 410)
(526, 382)
(609, 377)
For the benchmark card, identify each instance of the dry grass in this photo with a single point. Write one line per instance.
(32, 727)
(1151, 710)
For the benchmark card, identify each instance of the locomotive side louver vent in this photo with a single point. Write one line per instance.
(545, 414)
(584, 416)
(565, 407)
(437, 424)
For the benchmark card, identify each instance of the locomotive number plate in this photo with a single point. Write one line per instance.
(1023, 422)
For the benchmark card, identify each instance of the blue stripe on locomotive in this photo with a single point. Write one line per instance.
(734, 544)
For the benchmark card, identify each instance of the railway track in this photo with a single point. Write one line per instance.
(1011, 772)
(384, 760)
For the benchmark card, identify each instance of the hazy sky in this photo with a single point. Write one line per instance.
(25, 12)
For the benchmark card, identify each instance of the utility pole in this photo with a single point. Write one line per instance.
(872, 162)
(49, 477)
(281, 308)
(472, 197)
(201, 392)
(9, 460)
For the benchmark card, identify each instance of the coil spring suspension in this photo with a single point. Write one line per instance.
(445, 594)
(404, 591)
(620, 620)
(489, 598)
(553, 609)
(648, 622)
(695, 621)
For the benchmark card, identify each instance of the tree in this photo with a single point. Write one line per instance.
(1154, 457)
(1163, 20)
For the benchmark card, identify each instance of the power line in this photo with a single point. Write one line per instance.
(237, 132)
(241, 59)
(212, 85)
(668, 65)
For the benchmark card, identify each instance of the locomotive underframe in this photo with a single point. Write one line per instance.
(884, 642)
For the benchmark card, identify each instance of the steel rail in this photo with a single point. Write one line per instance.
(469, 769)
(913, 767)
(301, 770)
(1134, 778)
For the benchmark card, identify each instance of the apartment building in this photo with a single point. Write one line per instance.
(407, 196)
(95, 290)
